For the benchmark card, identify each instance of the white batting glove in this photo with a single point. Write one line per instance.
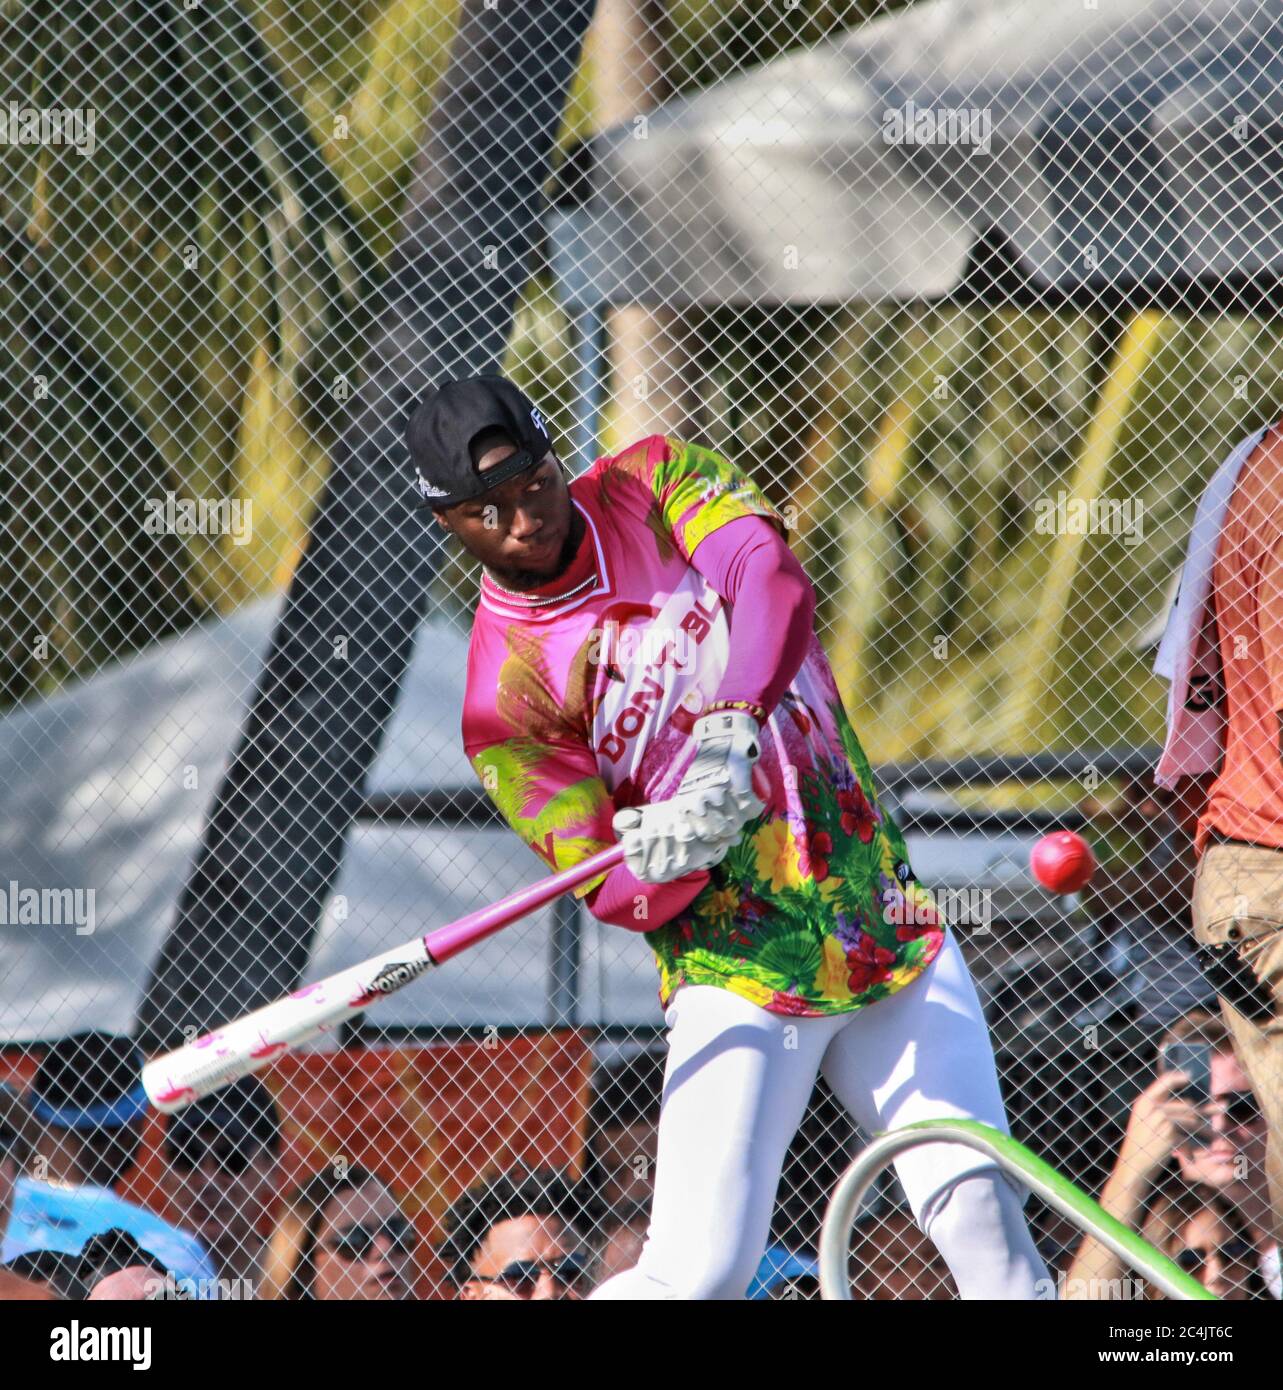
(696, 827)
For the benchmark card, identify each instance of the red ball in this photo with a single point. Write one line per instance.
(1062, 861)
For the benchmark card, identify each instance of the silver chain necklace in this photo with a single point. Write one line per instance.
(525, 602)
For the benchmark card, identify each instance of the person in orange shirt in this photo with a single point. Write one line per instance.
(1238, 886)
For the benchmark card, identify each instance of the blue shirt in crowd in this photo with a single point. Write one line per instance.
(49, 1216)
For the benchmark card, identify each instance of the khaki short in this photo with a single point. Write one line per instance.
(1238, 899)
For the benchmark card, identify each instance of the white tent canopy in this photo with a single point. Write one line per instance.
(876, 165)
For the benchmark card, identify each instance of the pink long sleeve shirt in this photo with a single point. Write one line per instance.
(685, 592)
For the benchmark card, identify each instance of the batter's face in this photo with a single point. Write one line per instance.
(524, 530)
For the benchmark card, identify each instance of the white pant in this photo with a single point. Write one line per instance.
(736, 1087)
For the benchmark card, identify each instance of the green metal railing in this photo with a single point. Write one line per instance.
(1039, 1177)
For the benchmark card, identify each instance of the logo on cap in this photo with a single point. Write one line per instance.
(539, 422)
(427, 489)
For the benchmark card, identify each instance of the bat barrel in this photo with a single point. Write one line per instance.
(243, 1046)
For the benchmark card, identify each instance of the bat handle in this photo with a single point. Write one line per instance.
(449, 940)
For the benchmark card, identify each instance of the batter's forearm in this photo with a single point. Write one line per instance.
(623, 900)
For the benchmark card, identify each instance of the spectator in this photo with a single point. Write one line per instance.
(620, 1233)
(1207, 1237)
(1219, 1147)
(816, 1158)
(514, 1237)
(87, 1105)
(1223, 652)
(894, 1261)
(342, 1235)
(18, 1280)
(221, 1176)
(113, 1266)
(799, 1287)
(1058, 1239)
(623, 1129)
(134, 1284)
(785, 1275)
(1228, 1153)
(15, 1289)
(52, 1270)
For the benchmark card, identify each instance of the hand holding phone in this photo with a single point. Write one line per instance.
(1195, 1060)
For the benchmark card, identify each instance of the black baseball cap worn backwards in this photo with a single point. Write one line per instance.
(444, 424)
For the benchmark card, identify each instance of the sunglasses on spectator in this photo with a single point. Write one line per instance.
(521, 1277)
(1234, 1251)
(1240, 1107)
(229, 1158)
(356, 1242)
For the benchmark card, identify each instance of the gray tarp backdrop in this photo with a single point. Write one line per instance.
(97, 797)
(1128, 148)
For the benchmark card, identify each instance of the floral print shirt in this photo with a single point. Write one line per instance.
(580, 706)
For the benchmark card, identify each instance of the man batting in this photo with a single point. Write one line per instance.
(644, 668)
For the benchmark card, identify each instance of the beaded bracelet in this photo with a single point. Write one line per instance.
(757, 711)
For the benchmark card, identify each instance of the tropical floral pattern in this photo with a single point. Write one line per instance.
(815, 911)
(810, 914)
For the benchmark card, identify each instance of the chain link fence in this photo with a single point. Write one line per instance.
(979, 292)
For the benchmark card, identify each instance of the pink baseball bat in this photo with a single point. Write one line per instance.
(243, 1046)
